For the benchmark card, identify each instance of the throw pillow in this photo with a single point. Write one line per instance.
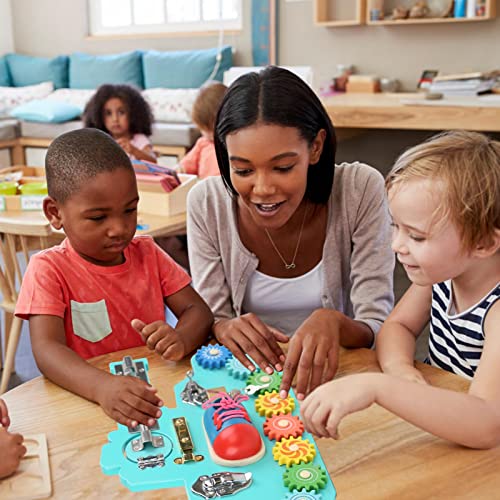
(29, 70)
(10, 97)
(76, 97)
(4, 73)
(171, 105)
(47, 111)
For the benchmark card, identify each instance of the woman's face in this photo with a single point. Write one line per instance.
(268, 165)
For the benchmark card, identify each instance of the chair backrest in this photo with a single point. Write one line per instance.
(17, 239)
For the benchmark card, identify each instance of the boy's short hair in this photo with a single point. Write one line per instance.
(207, 104)
(74, 157)
(468, 163)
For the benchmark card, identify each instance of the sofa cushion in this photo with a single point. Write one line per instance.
(171, 105)
(10, 97)
(184, 69)
(48, 130)
(29, 70)
(76, 97)
(4, 73)
(48, 111)
(88, 71)
(9, 129)
(174, 134)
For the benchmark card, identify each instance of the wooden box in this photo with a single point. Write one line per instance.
(154, 200)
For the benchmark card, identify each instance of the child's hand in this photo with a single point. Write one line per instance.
(326, 406)
(129, 401)
(125, 145)
(12, 451)
(406, 372)
(162, 338)
(4, 414)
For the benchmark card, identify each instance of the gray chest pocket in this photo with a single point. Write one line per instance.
(90, 320)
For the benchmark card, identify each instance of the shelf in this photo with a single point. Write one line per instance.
(340, 13)
(335, 13)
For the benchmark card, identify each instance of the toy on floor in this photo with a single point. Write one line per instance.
(224, 413)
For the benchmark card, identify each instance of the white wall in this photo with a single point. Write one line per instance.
(6, 37)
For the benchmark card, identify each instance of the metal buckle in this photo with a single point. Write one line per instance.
(193, 393)
(221, 484)
(185, 442)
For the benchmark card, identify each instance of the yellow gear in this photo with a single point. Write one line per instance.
(293, 451)
(270, 404)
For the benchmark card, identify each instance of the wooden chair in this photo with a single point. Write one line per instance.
(18, 236)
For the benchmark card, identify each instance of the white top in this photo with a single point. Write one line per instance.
(284, 302)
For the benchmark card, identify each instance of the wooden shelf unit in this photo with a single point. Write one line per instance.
(322, 16)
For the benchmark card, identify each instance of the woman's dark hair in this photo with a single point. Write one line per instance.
(276, 96)
(140, 116)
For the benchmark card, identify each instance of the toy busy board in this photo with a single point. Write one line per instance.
(230, 434)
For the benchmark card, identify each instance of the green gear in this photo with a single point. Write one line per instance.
(305, 476)
(261, 378)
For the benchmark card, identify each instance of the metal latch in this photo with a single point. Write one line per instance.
(221, 484)
(151, 461)
(193, 393)
(146, 437)
(185, 442)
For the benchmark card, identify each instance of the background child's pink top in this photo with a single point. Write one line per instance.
(201, 160)
(140, 141)
(98, 303)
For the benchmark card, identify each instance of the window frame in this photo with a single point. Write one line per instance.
(96, 29)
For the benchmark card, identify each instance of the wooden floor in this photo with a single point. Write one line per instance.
(26, 368)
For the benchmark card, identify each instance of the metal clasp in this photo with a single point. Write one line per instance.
(185, 442)
(146, 437)
(193, 393)
(221, 484)
(151, 461)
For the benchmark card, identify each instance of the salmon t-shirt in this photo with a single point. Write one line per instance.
(98, 303)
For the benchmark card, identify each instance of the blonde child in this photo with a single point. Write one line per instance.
(444, 196)
(102, 289)
(201, 160)
(11, 444)
(122, 112)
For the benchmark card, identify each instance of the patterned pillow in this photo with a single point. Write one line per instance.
(76, 97)
(11, 97)
(171, 105)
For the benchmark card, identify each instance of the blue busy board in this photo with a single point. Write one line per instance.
(214, 367)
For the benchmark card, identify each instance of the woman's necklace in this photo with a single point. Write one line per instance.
(292, 264)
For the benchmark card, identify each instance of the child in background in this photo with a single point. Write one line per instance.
(122, 112)
(11, 444)
(444, 196)
(102, 290)
(201, 160)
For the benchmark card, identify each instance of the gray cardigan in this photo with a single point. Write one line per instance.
(358, 261)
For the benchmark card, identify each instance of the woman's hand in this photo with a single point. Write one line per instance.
(324, 408)
(313, 353)
(246, 336)
(129, 400)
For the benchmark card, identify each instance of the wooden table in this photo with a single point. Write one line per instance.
(154, 225)
(379, 456)
(386, 111)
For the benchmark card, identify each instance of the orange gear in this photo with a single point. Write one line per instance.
(293, 451)
(270, 404)
(283, 426)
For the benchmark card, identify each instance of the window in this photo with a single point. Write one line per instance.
(108, 17)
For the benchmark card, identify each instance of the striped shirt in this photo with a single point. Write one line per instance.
(456, 340)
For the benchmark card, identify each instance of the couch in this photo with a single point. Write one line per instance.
(40, 98)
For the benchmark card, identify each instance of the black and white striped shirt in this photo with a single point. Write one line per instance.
(456, 340)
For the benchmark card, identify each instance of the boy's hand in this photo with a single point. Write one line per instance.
(162, 338)
(325, 407)
(129, 400)
(406, 372)
(4, 414)
(12, 451)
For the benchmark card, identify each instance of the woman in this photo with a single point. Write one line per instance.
(295, 251)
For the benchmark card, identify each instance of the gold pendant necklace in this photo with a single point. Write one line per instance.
(292, 264)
